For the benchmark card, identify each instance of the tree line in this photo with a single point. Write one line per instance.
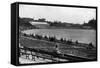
(54, 39)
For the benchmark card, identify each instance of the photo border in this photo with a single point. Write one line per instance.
(46, 4)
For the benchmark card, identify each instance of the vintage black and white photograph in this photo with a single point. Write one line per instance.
(53, 34)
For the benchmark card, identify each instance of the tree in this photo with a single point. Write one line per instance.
(46, 37)
(61, 40)
(90, 46)
(92, 23)
(51, 38)
(76, 42)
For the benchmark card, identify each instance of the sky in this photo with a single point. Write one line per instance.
(53, 13)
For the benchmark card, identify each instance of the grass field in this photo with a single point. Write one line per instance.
(64, 48)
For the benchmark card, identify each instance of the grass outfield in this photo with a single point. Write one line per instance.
(64, 48)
